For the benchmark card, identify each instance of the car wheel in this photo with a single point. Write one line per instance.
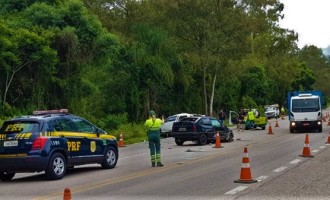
(263, 128)
(202, 139)
(291, 131)
(110, 158)
(231, 137)
(56, 168)
(320, 129)
(179, 142)
(5, 176)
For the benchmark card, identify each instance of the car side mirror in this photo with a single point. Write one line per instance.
(99, 132)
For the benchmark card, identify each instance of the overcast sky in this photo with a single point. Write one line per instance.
(310, 19)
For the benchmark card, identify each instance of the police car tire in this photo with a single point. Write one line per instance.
(56, 172)
(5, 176)
(110, 158)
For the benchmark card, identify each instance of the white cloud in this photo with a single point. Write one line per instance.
(310, 19)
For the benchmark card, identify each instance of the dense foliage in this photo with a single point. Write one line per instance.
(113, 60)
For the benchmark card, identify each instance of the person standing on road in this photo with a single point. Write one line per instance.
(222, 117)
(282, 111)
(153, 130)
(251, 118)
(241, 120)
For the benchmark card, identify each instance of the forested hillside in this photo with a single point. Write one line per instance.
(113, 60)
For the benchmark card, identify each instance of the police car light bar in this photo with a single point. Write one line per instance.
(44, 112)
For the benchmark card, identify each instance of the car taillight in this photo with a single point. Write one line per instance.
(39, 143)
(194, 129)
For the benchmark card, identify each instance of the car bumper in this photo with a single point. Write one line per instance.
(21, 163)
(301, 125)
(270, 115)
(186, 135)
(189, 136)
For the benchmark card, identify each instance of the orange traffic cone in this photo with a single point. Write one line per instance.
(328, 142)
(270, 130)
(217, 141)
(329, 122)
(67, 194)
(306, 150)
(246, 176)
(276, 125)
(121, 141)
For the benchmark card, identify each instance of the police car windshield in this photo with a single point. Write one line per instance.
(19, 127)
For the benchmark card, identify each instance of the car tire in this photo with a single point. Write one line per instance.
(5, 176)
(202, 139)
(179, 142)
(231, 137)
(110, 158)
(56, 168)
(320, 129)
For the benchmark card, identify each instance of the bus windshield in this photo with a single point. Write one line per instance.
(305, 105)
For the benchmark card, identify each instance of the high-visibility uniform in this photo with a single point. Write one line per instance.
(153, 130)
(251, 115)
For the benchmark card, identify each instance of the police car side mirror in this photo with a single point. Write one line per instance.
(99, 132)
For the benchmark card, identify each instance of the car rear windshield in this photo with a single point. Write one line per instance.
(189, 119)
(19, 127)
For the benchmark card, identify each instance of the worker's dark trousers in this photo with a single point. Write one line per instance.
(154, 145)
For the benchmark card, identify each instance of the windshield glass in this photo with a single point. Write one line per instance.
(19, 127)
(305, 105)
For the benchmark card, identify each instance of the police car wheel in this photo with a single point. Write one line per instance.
(5, 176)
(56, 168)
(110, 158)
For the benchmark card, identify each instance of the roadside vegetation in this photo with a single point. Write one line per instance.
(112, 61)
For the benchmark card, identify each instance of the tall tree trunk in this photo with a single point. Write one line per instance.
(204, 90)
(212, 94)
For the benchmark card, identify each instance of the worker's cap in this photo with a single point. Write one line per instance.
(151, 112)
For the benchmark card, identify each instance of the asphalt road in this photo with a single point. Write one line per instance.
(198, 172)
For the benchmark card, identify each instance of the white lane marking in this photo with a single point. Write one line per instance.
(295, 161)
(327, 144)
(261, 178)
(314, 151)
(238, 189)
(322, 147)
(279, 169)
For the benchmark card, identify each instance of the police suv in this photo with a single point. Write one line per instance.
(53, 141)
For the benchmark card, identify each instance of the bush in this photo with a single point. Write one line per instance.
(132, 133)
(113, 122)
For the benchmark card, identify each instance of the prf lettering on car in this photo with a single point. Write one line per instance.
(14, 127)
(74, 146)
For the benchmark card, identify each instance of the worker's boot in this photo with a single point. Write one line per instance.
(159, 164)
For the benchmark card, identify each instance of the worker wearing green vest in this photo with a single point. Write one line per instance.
(153, 130)
(251, 118)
